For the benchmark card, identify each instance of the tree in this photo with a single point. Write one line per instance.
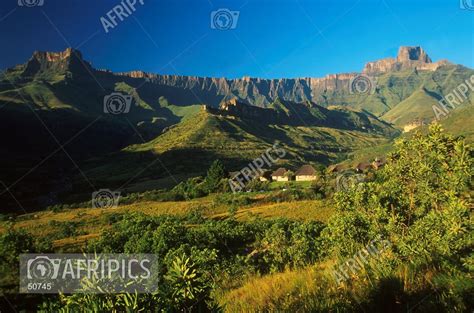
(214, 176)
(426, 174)
(418, 203)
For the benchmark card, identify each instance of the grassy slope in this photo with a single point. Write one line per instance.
(202, 131)
(236, 137)
(40, 94)
(192, 145)
(391, 89)
(430, 87)
(90, 221)
(187, 148)
(281, 292)
(460, 122)
(417, 105)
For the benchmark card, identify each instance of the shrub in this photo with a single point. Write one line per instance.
(214, 177)
(416, 202)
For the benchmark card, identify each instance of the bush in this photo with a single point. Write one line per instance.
(65, 229)
(214, 177)
(416, 202)
(287, 244)
(12, 244)
(232, 200)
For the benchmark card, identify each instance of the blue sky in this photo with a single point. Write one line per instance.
(273, 38)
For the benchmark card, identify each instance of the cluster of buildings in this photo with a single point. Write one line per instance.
(308, 173)
(304, 173)
(360, 167)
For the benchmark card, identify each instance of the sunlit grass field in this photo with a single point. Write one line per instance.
(87, 223)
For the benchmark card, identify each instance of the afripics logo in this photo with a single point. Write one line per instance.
(362, 84)
(88, 273)
(349, 179)
(224, 19)
(105, 199)
(30, 3)
(467, 5)
(117, 103)
(43, 268)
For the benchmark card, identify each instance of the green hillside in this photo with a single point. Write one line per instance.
(390, 89)
(417, 105)
(460, 122)
(433, 87)
(188, 149)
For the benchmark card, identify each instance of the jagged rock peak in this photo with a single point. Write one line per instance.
(412, 54)
(57, 56)
(69, 60)
(407, 58)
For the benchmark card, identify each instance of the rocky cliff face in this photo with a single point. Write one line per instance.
(333, 82)
(69, 60)
(407, 58)
(412, 54)
(261, 92)
(255, 91)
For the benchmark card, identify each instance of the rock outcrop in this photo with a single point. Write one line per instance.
(69, 60)
(407, 58)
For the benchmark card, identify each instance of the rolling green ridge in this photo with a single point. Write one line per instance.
(192, 145)
(417, 105)
(433, 87)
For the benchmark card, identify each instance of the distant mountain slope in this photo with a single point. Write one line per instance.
(394, 80)
(460, 122)
(433, 87)
(192, 145)
(307, 114)
(417, 105)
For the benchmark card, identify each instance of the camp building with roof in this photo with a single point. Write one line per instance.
(306, 173)
(280, 174)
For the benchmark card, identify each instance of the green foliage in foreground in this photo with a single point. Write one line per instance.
(418, 203)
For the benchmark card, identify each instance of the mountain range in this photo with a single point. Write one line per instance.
(59, 140)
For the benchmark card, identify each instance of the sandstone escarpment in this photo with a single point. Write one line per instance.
(407, 58)
(255, 91)
(69, 60)
(261, 92)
